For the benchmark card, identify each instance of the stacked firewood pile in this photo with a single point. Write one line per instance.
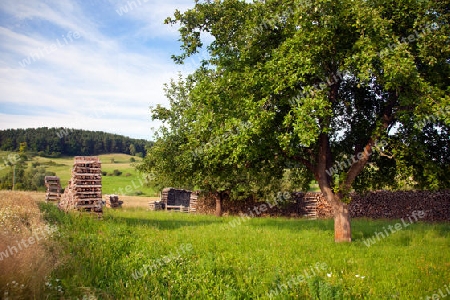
(113, 201)
(193, 202)
(53, 186)
(296, 205)
(324, 209)
(84, 191)
(375, 205)
(397, 205)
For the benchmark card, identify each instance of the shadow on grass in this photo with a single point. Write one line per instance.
(299, 224)
(161, 224)
(361, 228)
(366, 228)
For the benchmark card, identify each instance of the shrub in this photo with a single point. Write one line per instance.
(117, 172)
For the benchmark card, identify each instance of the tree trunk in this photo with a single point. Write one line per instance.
(342, 228)
(219, 201)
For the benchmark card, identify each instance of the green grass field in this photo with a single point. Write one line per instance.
(129, 183)
(138, 254)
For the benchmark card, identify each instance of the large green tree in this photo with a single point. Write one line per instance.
(339, 87)
(195, 145)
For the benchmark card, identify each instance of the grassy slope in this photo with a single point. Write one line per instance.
(246, 261)
(25, 266)
(111, 184)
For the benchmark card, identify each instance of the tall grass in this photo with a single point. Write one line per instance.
(135, 253)
(27, 252)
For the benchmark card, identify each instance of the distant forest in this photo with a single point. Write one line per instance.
(55, 142)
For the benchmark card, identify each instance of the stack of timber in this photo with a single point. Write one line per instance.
(193, 202)
(176, 199)
(53, 186)
(435, 205)
(113, 201)
(156, 205)
(309, 205)
(84, 191)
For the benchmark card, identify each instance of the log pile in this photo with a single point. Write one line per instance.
(324, 209)
(308, 205)
(84, 191)
(397, 205)
(113, 201)
(156, 205)
(374, 205)
(295, 206)
(53, 186)
(193, 202)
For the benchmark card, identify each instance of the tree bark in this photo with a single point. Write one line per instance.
(342, 227)
(219, 202)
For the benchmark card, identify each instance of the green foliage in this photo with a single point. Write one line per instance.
(308, 82)
(116, 172)
(320, 289)
(244, 262)
(27, 176)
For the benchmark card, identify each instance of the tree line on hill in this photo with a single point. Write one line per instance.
(55, 142)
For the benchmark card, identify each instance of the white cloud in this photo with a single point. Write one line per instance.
(95, 72)
(152, 15)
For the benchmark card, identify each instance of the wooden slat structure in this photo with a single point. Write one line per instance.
(113, 201)
(53, 185)
(84, 191)
(176, 199)
(193, 202)
(309, 205)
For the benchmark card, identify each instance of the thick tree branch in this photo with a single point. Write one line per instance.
(301, 160)
(386, 118)
(305, 162)
(322, 162)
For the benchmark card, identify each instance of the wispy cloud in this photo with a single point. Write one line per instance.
(117, 64)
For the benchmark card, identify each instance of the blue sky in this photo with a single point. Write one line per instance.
(89, 64)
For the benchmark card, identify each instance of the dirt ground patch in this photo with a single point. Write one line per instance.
(136, 201)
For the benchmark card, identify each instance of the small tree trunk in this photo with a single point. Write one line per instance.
(219, 201)
(342, 228)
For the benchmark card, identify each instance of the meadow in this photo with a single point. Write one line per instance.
(130, 178)
(138, 254)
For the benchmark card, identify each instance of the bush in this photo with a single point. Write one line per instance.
(55, 154)
(132, 159)
(104, 173)
(117, 172)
